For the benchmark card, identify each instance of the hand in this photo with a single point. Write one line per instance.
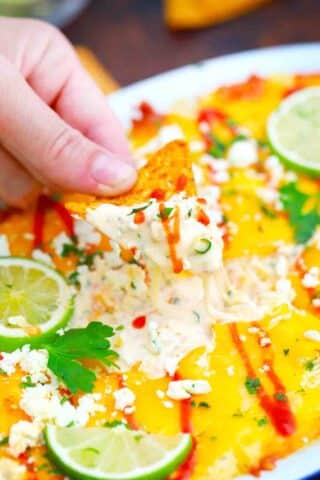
(55, 126)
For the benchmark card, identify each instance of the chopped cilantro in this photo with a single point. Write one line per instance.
(27, 383)
(165, 213)
(239, 137)
(286, 351)
(134, 261)
(84, 258)
(218, 148)
(262, 421)
(204, 405)
(133, 286)
(252, 385)
(4, 441)
(281, 397)
(139, 209)
(303, 221)
(73, 278)
(309, 365)
(116, 423)
(268, 213)
(66, 351)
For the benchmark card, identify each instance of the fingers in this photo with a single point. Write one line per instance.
(54, 152)
(17, 187)
(55, 73)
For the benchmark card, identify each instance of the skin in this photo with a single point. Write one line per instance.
(56, 128)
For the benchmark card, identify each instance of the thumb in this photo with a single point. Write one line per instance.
(55, 153)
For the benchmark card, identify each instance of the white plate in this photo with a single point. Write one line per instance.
(197, 79)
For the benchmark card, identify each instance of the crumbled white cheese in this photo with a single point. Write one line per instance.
(59, 241)
(230, 370)
(4, 246)
(23, 435)
(124, 398)
(243, 153)
(268, 195)
(313, 335)
(41, 256)
(182, 389)
(86, 233)
(275, 169)
(11, 470)
(196, 146)
(311, 278)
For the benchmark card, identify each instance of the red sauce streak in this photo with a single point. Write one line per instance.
(148, 115)
(139, 217)
(279, 412)
(173, 235)
(181, 183)
(139, 322)
(185, 471)
(158, 194)
(202, 201)
(44, 204)
(202, 217)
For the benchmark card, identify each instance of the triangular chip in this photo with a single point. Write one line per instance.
(181, 14)
(167, 172)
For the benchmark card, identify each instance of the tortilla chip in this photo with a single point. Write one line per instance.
(181, 14)
(164, 171)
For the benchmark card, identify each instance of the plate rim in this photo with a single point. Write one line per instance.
(300, 57)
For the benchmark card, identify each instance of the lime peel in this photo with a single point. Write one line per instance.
(294, 131)
(36, 293)
(116, 453)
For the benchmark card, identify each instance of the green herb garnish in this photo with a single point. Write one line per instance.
(303, 221)
(27, 383)
(66, 352)
(262, 421)
(165, 213)
(252, 385)
(268, 213)
(139, 209)
(281, 397)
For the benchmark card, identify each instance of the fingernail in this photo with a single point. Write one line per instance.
(110, 170)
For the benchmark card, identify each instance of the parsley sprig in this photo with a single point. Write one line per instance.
(303, 220)
(66, 352)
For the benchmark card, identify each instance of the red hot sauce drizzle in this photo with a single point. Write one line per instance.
(185, 471)
(171, 225)
(277, 407)
(45, 204)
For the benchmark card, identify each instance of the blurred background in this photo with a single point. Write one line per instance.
(134, 39)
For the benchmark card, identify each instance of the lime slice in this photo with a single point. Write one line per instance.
(294, 130)
(116, 453)
(35, 301)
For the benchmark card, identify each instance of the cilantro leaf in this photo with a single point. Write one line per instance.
(139, 209)
(252, 385)
(294, 202)
(65, 351)
(165, 213)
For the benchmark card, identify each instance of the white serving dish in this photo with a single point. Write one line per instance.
(197, 79)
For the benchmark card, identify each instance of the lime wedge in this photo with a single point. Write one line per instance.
(35, 301)
(116, 453)
(294, 130)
